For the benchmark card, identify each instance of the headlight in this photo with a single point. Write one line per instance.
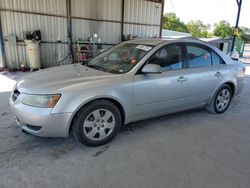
(41, 101)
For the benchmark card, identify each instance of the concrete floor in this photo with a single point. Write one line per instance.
(189, 149)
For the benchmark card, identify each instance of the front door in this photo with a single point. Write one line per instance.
(156, 94)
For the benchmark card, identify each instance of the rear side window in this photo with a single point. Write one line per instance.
(216, 59)
(198, 56)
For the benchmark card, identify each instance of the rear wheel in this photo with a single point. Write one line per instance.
(97, 123)
(221, 100)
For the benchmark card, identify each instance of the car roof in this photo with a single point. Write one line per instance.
(165, 40)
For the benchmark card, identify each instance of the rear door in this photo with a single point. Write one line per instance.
(202, 76)
(218, 69)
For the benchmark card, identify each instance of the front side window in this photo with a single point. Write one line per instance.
(198, 56)
(168, 57)
(121, 58)
(216, 59)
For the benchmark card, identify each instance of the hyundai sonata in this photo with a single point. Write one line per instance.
(132, 81)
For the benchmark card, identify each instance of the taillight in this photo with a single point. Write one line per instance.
(16, 93)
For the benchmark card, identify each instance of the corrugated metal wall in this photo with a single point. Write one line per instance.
(104, 17)
(56, 7)
(142, 18)
(142, 30)
(95, 11)
(109, 32)
(52, 28)
(143, 12)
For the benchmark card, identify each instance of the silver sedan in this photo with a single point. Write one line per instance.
(132, 81)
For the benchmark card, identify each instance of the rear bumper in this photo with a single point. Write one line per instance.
(40, 121)
(240, 86)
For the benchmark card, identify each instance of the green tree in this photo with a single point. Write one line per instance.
(223, 29)
(172, 22)
(198, 29)
(244, 34)
(210, 34)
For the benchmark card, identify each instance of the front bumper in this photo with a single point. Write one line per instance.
(40, 121)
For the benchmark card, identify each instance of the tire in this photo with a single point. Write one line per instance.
(221, 100)
(97, 123)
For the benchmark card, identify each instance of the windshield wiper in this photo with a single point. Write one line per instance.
(85, 63)
(95, 67)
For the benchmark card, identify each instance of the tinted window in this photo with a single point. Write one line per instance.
(216, 59)
(198, 56)
(168, 57)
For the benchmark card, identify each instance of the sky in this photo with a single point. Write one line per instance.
(209, 11)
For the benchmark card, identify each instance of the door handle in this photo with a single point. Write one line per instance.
(182, 79)
(217, 74)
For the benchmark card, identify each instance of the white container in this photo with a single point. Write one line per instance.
(33, 51)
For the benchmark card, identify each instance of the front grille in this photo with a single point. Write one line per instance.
(16, 93)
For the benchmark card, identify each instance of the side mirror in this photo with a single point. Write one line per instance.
(151, 68)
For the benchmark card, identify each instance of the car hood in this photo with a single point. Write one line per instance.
(62, 79)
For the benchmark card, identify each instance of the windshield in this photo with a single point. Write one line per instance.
(121, 58)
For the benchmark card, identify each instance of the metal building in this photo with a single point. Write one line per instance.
(62, 22)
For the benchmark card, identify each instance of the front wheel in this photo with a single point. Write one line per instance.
(221, 100)
(97, 123)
